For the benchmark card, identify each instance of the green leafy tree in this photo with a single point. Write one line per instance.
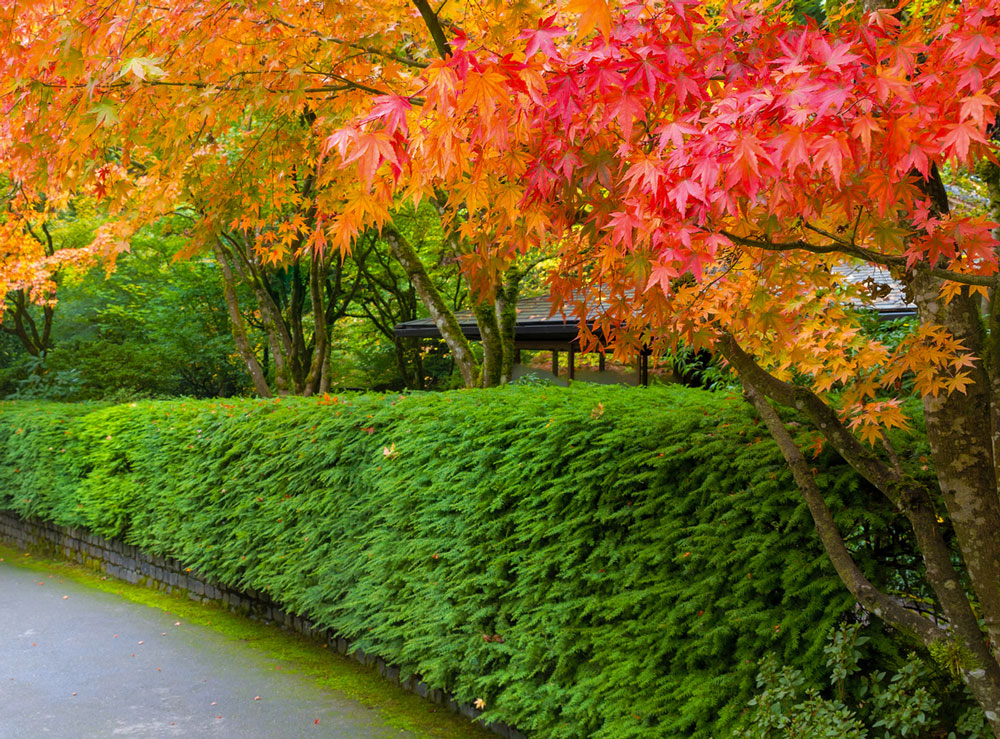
(153, 327)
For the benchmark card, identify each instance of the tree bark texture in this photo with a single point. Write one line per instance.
(489, 332)
(506, 306)
(238, 326)
(441, 313)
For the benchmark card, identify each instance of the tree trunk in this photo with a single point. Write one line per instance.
(239, 327)
(489, 332)
(321, 344)
(507, 318)
(278, 337)
(441, 314)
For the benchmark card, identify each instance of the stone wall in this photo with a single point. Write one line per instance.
(129, 563)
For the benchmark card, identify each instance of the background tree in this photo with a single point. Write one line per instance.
(152, 328)
(40, 241)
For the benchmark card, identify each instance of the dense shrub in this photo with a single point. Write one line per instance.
(592, 561)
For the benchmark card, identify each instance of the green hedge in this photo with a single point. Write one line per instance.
(593, 561)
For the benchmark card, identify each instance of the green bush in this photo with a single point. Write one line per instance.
(591, 561)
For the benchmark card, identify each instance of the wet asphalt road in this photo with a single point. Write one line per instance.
(77, 662)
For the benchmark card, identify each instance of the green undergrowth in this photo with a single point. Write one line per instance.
(296, 654)
(591, 561)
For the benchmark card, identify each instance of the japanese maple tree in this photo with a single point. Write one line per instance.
(220, 110)
(708, 177)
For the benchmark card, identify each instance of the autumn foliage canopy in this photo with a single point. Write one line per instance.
(704, 174)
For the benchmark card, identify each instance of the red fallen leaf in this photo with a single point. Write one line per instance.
(159, 670)
(256, 697)
(34, 644)
(116, 636)
(74, 693)
(65, 597)
(218, 716)
(212, 703)
(133, 654)
(316, 721)
(140, 642)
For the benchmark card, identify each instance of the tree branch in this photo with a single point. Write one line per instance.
(860, 587)
(842, 247)
(433, 24)
(823, 416)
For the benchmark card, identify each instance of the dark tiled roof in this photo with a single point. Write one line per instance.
(888, 296)
(533, 321)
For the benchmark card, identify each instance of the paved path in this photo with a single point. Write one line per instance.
(77, 662)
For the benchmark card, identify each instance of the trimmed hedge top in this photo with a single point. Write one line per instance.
(591, 561)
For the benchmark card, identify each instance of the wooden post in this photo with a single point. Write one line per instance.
(600, 362)
(517, 356)
(644, 368)
(572, 362)
(555, 363)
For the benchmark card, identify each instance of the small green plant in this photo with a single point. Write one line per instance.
(532, 378)
(786, 708)
(860, 704)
